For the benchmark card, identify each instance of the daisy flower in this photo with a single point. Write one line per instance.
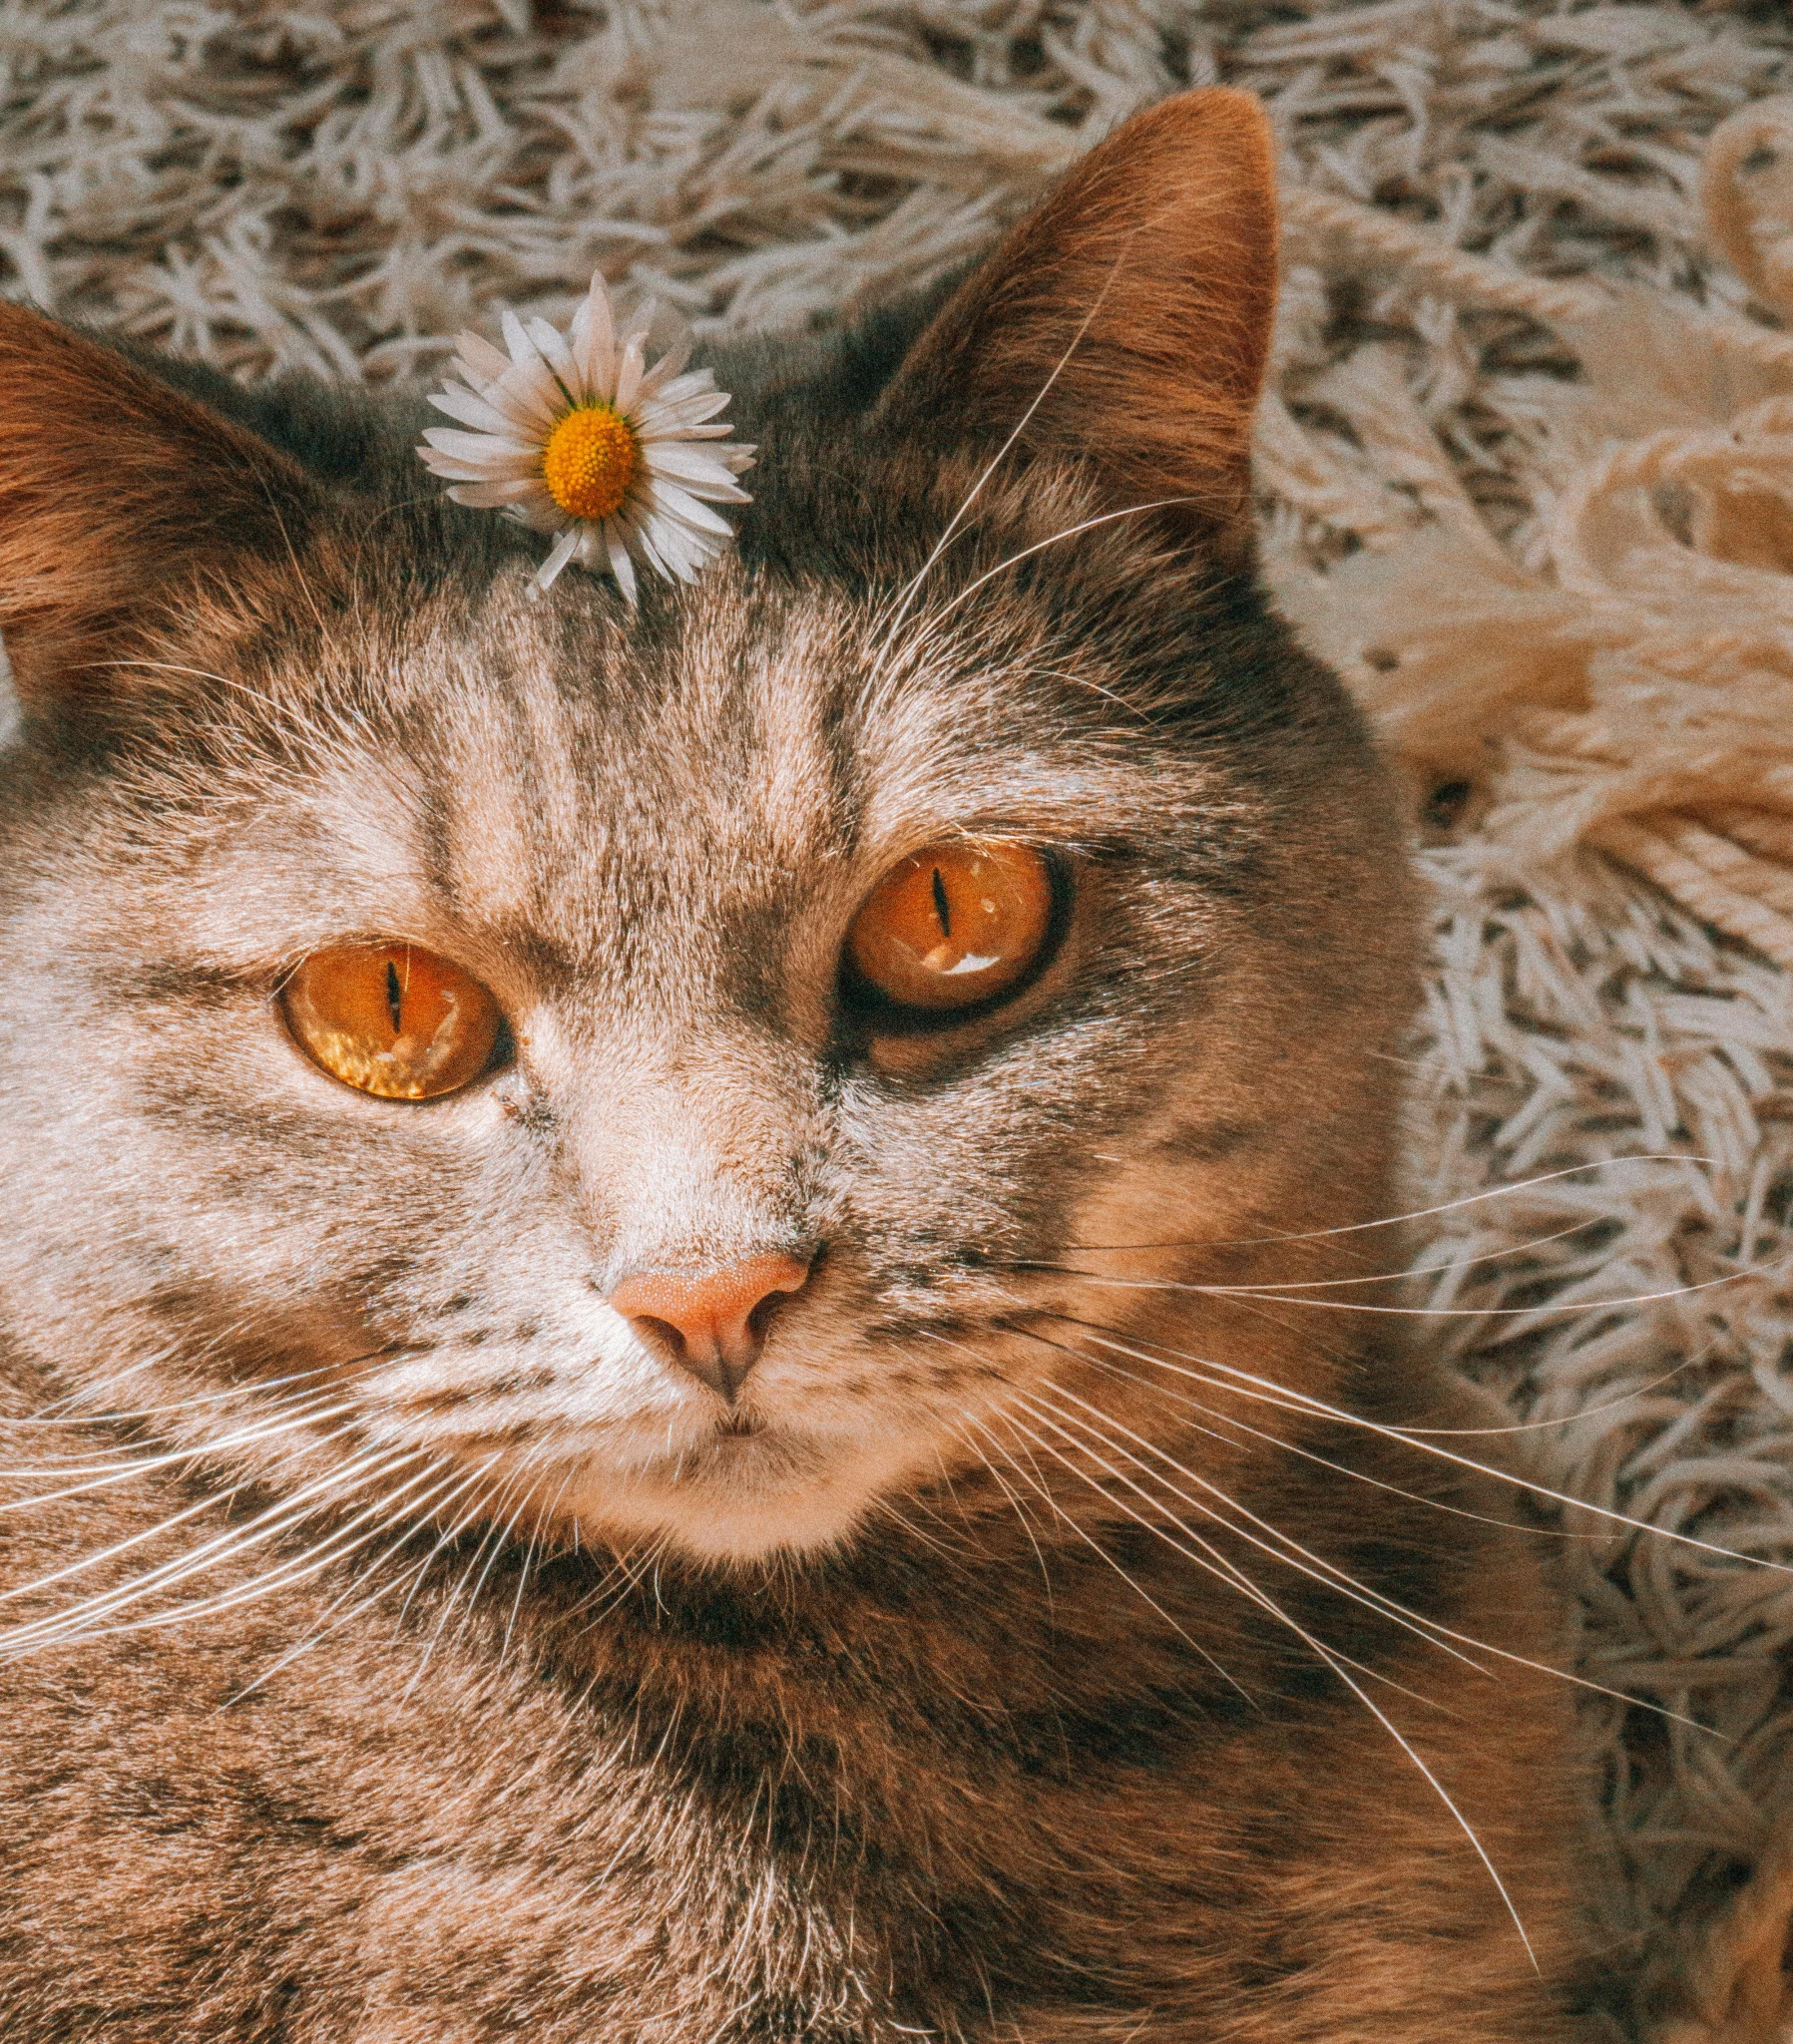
(578, 435)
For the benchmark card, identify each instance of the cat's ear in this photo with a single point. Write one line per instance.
(122, 500)
(1137, 296)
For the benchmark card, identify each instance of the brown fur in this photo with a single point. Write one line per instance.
(522, 1692)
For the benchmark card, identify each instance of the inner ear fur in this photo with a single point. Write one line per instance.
(1161, 247)
(121, 500)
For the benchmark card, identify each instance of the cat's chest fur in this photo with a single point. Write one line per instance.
(924, 1803)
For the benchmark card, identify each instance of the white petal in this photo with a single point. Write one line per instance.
(716, 492)
(524, 352)
(452, 465)
(538, 511)
(690, 552)
(630, 527)
(479, 446)
(521, 413)
(663, 372)
(697, 469)
(480, 359)
(559, 555)
(533, 391)
(554, 353)
(679, 395)
(684, 457)
(703, 547)
(668, 497)
(472, 411)
(685, 390)
(714, 432)
(490, 496)
(661, 487)
(702, 554)
(623, 569)
(595, 339)
(686, 416)
(685, 428)
(629, 372)
(693, 433)
(673, 551)
(699, 383)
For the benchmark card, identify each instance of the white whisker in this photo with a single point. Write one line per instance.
(1068, 532)
(1287, 1296)
(449, 1535)
(135, 1414)
(493, 1539)
(1404, 1275)
(1202, 1552)
(996, 459)
(542, 1516)
(1424, 1213)
(1023, 1517)
(1350, 1585)
(420, 1510)
(105, 1555)
(332, 1549)
(1266, 1390)
(121, 1471)
(1229, 1570)
(1103, 1554)
(1340, 1664)
(291, 1509)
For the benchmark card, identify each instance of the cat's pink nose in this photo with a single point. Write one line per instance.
(713, 1325)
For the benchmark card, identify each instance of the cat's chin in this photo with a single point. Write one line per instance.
(738, 1497)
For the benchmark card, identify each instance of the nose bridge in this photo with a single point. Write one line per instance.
(695, 1163)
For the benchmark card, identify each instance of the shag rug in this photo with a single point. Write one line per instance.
(1527, 478)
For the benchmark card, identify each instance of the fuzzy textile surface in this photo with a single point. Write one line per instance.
(1528, 480)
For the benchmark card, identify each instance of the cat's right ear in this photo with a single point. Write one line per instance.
(122, 502)
(1124, 322)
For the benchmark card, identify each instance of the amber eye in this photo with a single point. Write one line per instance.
(392, 1020)
(952, 925)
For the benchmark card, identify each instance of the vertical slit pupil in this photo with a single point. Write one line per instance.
(942, 906)
(394, 997)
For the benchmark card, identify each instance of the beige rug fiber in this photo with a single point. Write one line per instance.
(1527, 479)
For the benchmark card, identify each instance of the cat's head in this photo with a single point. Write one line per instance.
(815, 985)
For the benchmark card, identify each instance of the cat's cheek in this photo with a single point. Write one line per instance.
(1196, 1165)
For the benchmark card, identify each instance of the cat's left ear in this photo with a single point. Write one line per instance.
(1131, 308)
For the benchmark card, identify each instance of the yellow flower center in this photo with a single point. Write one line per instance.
(590, 461)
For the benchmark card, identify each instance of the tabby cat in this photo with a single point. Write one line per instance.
(681, 1354)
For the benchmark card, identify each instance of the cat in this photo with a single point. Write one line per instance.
(772, 1488)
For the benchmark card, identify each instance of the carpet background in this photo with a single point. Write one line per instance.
(1604, 1078)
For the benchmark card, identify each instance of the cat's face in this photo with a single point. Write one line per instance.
(652, 841)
